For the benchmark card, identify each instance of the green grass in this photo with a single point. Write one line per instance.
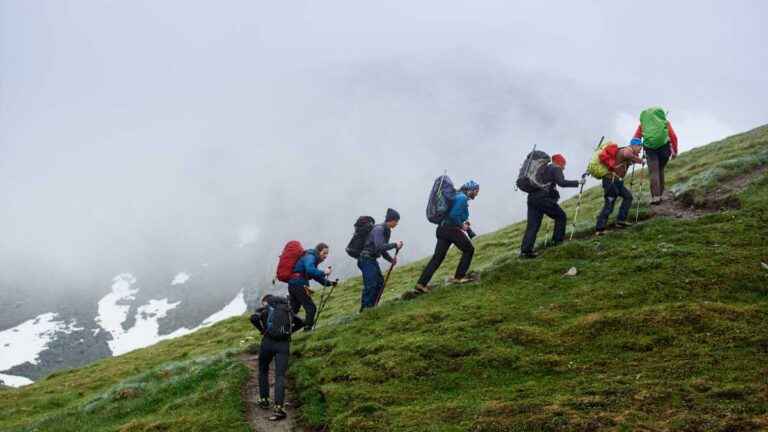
(664, 327)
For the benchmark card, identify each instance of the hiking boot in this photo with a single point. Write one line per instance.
(599, 233)
(423, 288)
(278, 413)
(623, 224)
(263, 403)
(461, 280)
(528, 255)
(656, 200)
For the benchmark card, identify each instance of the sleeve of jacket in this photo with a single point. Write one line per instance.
(310, 266)
(557, 175)
(639, 132)
(259, 318)
(672, 137)
(380, 243)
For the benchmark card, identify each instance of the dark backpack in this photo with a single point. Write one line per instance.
(440, 199)
(279, 319)
(363, 227)
(529, 177)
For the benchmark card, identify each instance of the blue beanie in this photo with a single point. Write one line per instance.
(636, 141)
(470, 186)
(392, 215)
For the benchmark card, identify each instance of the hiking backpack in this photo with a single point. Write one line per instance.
(292, 252)
(655, 129)
(603, 160)
(528, 179)
(279, 319)
(363, 227)
(440, 199)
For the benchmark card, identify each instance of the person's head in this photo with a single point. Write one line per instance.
(636, 142)
(558, 160)
(266, 299)
(322, 251)
(392, 218)
(471, 189)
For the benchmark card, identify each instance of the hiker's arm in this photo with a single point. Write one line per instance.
(460, 211)
(258, 322)
(386, 255)
(561, 181)
(311, 268)
(672, 138)
(639, 132)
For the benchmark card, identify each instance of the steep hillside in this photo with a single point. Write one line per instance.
(665, 327)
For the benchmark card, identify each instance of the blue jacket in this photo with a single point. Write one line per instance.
(378, 243)
(307, 268)
(459, 212)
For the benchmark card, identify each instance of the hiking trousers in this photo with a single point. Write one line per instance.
(613, 189)
(373, 281)
(538, 206)
(657, 161)
(279, 351)
(447, 236)
(297, 295)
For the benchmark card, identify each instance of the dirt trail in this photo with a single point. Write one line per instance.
(724, 196)
(257, 417)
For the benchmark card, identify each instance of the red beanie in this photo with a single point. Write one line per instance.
(558, 159)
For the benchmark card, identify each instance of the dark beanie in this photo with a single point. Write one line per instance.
(392, 215)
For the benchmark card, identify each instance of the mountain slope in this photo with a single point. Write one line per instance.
(663, 328)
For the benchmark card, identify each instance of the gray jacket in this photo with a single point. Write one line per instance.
(378, 243)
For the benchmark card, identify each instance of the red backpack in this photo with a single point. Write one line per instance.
(292, 252)
(608, 156)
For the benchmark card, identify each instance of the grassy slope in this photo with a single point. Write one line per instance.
(666, 326)
(682, 347)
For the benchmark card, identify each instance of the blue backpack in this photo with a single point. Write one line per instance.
(440, 199)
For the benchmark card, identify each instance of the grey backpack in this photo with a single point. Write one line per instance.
(529, 177)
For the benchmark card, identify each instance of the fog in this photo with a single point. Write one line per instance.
(138, 132)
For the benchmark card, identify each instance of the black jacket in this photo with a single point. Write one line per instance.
(553, 176)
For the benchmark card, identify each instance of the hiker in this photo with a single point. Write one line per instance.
(613, 188)
(455, 229)
(276, 322)
(659, 142)
(377, 245)
(298, 286)
(543, 201)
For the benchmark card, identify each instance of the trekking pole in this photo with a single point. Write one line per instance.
(581, 190)
(386, 278)
(640, 193)
(324, 301)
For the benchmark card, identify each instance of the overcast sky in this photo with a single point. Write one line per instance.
(135, 128)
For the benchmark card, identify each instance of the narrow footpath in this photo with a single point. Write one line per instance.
(259, 418)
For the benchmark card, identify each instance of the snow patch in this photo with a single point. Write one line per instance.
(111, 314)
(180, 279)
(146, 330)
(26, 341)
(234, 308)
(15, 380)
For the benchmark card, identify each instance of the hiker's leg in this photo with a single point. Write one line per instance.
(265, 358)
(626, 201)
(609, 199)
(293, 298)
(654, 171)
(664, 154)
(379, 283)
(532, 227)
(303, 299)
(369, 269)
(441, 248)
(553, 210)
(282, 354)
(462, 242)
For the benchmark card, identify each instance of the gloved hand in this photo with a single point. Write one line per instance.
(334, 282)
